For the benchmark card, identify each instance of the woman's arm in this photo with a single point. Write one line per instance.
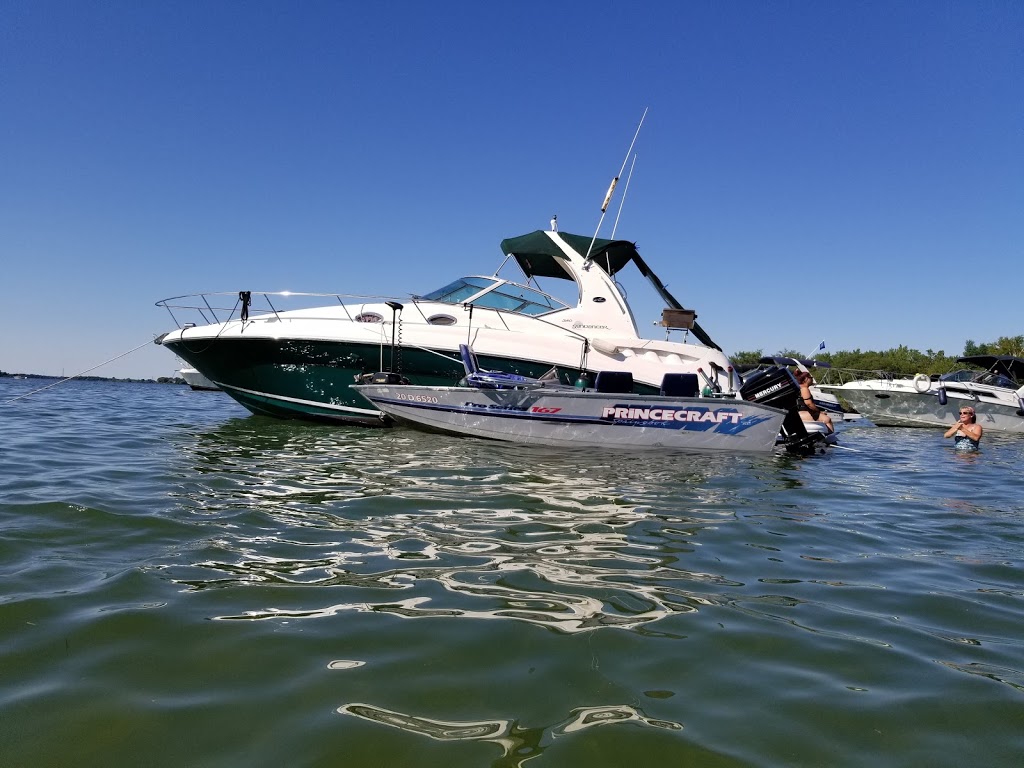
(973, 431)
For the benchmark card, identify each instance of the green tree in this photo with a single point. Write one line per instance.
(1004, 345)
(899, 361)
(788, 353)
(747, 358)
(1009, 345)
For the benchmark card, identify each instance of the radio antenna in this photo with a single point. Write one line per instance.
(611, 187)
(622, 201)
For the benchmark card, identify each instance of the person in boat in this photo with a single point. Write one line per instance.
(966, 433)
(810, 410)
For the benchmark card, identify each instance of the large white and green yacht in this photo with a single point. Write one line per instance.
(299, 363)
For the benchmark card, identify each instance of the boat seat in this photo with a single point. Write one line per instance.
(614, 382)
(468, 360)
(496, 380)
(680, 385)
(481, 379)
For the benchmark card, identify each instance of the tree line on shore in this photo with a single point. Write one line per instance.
(158, 380)
(901, 360)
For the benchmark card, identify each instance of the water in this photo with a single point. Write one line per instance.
(182, 584)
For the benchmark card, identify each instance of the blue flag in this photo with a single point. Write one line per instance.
(821, 346)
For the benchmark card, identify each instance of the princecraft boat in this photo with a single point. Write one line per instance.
(299, 363)
(512, 408)
(996, 394)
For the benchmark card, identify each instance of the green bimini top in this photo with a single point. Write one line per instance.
(539, 256)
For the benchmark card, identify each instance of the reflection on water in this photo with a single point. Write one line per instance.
(571, 541)
(299, 462)
(1012, 677)
(518, 744)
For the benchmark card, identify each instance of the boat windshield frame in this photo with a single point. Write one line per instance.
(960, 376)
(496, 293)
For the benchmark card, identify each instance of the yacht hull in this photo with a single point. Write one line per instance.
(310, 380)
(197, 381)
(899, 404)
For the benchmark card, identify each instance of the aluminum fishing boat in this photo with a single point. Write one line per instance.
(498, 406)
(996, 394)
(299, 363)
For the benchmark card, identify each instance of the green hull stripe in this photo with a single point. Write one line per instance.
(307, 403)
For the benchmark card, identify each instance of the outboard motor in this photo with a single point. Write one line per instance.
(381, 377)
(776, 387)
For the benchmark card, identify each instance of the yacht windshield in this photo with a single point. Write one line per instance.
(992, 378)
(510, 297)
(460, 290)
(963, 374)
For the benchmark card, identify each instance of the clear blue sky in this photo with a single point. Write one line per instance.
(846, 171)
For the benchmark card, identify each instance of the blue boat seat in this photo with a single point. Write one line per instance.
(680, 385)
(468, 360)
(481, 379)
(614, 382)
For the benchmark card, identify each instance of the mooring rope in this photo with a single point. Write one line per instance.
(69, 378)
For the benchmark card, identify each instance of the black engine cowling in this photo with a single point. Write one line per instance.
(776, 387)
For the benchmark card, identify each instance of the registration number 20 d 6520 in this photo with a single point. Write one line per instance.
(418, 398)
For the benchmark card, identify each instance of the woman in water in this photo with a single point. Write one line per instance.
(966, 432)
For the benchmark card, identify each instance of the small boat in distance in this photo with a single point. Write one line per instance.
(544, 411)
(196, 380)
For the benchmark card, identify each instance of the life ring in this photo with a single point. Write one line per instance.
(922, 382)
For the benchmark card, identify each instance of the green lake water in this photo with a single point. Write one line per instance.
(183, 584)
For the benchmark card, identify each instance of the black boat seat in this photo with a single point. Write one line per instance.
(614, 382)
(680, 385)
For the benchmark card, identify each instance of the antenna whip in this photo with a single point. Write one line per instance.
(622, 202)
(611, 187)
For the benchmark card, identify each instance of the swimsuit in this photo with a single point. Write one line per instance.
(964, 443)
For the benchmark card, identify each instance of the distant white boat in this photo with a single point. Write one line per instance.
(996, 394)
(196, 380)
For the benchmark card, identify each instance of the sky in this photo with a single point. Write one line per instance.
(851, 172)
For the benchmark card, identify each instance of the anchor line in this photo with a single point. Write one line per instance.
(69, 378)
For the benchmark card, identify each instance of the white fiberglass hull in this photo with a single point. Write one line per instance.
(572, 418)
(196, 380)
(899, 403)
(831, 405)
